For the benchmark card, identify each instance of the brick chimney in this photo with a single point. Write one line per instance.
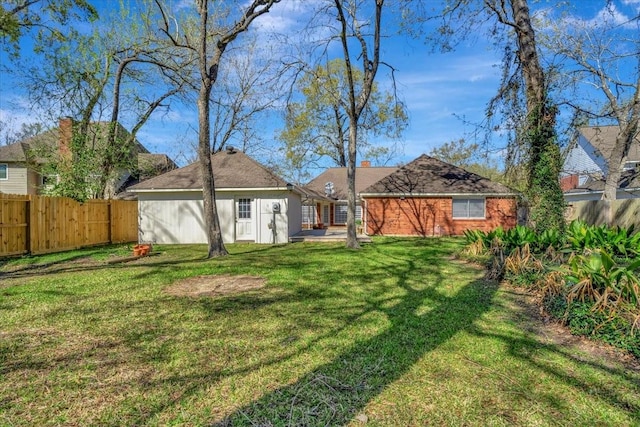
(365, 164)
(66, 132)
(569, 182)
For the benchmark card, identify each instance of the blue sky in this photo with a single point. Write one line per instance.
(438, 89)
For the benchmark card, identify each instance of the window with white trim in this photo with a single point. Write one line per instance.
(308, 214)
(244, 208)
(469, 208)
(340, 213)
(4, 171)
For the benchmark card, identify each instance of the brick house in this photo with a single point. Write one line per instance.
(328, 207)
(428, 197)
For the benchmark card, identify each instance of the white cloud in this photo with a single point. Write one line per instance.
(610, 15)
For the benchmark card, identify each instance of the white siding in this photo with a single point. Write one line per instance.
(171, 218)
(17, 182)
(285, 220)
(583, 159)
(294, 214)
(177, 217)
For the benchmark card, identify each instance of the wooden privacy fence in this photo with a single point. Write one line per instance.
(625, 212)
(39, 224)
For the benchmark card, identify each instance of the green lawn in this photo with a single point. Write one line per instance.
(398, 333)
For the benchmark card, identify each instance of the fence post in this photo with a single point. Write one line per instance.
(27, 232)
(110, 215)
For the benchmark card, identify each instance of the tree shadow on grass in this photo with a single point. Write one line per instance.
(335, 393)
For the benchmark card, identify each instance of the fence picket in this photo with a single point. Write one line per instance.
(41, 224)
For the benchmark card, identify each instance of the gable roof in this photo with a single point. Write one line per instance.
(603, 139)
(152, 164)
(365, 176)
(16, 152)
(36, 147)
(429, 176)
(231, 169)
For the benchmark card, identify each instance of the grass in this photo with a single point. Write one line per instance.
(398, 333)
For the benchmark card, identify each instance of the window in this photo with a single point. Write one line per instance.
(4, 171)
(325, 214)
(468, 208)
(340, 214)
(244, 208)
(308, 214)
(49, 180)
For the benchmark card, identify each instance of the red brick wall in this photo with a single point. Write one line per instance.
(569, 182)
(422, 216)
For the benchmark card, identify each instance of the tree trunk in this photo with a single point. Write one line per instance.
(615, 166)
(545, 195)
(212, 223)
(352, 239)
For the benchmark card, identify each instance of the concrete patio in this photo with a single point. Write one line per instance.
(332, 234)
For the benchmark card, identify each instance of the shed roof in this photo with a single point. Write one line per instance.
(231, 169)
(429, 176)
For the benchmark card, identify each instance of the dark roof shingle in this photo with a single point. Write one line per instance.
(427, 175)
(365, 176)
(230, 170)
(17, 152)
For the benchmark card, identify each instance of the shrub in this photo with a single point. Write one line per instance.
(589, 277)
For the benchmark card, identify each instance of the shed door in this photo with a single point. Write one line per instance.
(245, 219)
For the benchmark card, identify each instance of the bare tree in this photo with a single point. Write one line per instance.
(352, 25)
(247, 91)
(209, 46)
(523, 99)
(604, 55)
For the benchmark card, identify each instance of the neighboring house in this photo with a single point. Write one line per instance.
(428, 197)
(329, 207)
(585, 166)
(26, 167)
(593, 188)
(254, 205)
(17, 175)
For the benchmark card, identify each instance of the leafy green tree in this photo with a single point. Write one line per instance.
(318, 126)
(458, 152)
(90, 78)
(50, 19)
